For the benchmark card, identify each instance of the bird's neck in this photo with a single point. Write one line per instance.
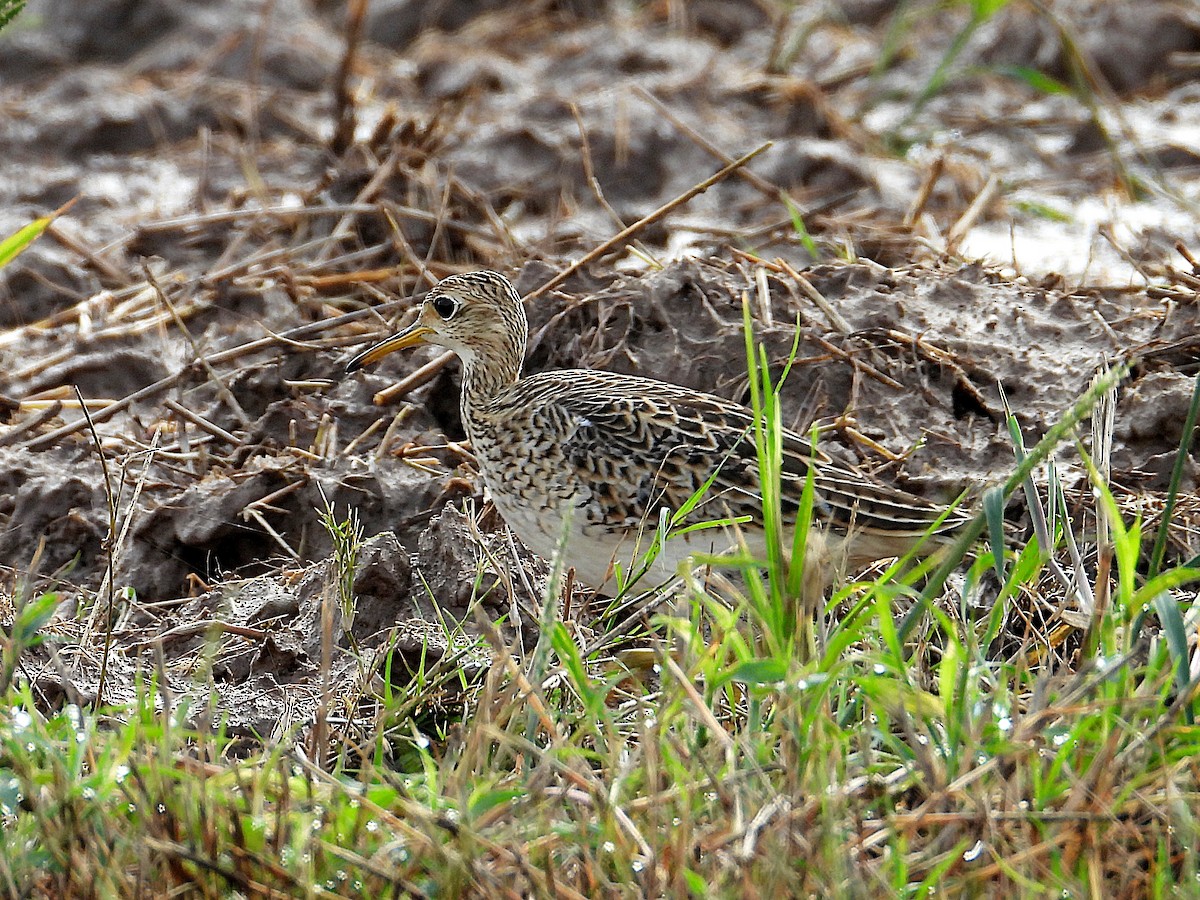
(486, 376)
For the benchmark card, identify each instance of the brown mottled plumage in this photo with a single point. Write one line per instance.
(605, 452)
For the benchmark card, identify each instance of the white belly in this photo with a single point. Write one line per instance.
(596, 553)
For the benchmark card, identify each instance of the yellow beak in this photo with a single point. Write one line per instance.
(409, 337)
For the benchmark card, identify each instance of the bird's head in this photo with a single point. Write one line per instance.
(478, 315)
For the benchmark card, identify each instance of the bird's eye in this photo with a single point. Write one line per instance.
(444, 306)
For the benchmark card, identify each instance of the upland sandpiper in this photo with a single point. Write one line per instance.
(586, 460)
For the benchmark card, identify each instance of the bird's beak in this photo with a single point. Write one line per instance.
(409, 337)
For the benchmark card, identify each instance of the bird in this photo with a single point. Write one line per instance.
(584, 461)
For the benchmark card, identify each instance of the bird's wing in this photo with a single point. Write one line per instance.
(663, 442)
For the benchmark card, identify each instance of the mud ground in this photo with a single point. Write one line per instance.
(245, 218)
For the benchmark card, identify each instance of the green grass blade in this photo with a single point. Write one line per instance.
(1181, 458)
(1038, 80)
(1177, 642)
(802, 232)
(804, 522)
(15, 244)
(9, 9)
(993, 510)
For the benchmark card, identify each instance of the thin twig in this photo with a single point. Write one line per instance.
(127, 521)
(109, 547)
(200, 422)
(420, 377)
(770, 191)
(836, 319)
(222, 391)
(589, 171)
(925, 191)
(98, 262)
(251, 513)
(401, 243)
(624, 235)
(31, 423)
(958, 231)
(853, 361)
